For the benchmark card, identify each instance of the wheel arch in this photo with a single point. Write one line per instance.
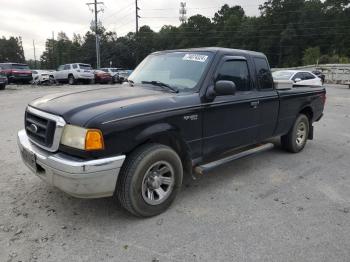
(307, 110)
(168, 135)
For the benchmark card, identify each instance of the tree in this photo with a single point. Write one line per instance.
(11, 50)
(311, 56)
(289, 32)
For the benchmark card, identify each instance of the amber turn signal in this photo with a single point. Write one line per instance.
(94, 140)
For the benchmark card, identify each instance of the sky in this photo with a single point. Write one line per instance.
(37, 19)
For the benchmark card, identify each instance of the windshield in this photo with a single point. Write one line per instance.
(182, 70)
(85, 67)
(17, 66)
(282, 75)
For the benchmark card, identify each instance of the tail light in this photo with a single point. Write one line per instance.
(323, 98)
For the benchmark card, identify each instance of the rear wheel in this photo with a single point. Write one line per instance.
(71, 80)
(149, 180)
(297, 137)
(2, 86)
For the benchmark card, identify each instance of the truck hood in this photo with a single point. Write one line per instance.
(81, 106)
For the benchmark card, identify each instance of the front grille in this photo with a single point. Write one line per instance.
(39, 129)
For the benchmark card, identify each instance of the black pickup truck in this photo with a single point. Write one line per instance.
(182, 112)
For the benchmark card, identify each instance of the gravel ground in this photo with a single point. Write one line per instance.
(274, 206)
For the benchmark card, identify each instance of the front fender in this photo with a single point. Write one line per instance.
(154, 131)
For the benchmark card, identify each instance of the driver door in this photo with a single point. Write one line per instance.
(231, 121)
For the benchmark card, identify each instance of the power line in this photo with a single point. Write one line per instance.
(239, 29)
(119, 11)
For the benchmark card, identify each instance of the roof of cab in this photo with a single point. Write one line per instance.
(215, 50)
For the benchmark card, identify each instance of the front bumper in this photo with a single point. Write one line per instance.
(15, 78)
(76, 177)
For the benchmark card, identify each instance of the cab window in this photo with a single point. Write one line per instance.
(237, 72)
(263, 73)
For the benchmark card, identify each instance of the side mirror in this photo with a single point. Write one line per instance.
(223, 88)
(297, 80)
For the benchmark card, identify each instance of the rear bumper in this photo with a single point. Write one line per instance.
(86, 76)
(319, 118)
(76, 177)
(103, 80)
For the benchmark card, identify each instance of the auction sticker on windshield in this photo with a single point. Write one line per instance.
(195, 57)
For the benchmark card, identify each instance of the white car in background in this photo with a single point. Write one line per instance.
(41, 76)
(73, 73)
(298, 78)
(116, 73)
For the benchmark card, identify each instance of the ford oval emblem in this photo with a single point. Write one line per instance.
(33, 128)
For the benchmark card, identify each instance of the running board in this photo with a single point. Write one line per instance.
(203, 169)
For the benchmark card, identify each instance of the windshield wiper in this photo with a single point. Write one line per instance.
(161, 84)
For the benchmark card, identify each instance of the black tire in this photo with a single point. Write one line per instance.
(131, 180)
(71, 80)
(52, 80)
(293, 142)
(2, 86)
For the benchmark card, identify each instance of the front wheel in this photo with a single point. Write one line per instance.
(149, 180)
(2, 86)
(297, 137)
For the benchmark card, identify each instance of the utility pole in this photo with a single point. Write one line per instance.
(137, 31)
(137, 15)
(183, 12)
(95, 26)
(34, 55)
(53, 51)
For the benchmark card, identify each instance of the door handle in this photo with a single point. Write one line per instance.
(254, 104)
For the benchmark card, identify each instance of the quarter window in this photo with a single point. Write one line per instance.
(237, 72)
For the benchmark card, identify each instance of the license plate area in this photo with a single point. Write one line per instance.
(30, 160)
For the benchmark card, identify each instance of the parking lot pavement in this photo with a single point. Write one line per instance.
(274, 206)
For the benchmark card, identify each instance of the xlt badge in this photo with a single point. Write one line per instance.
(191, 117)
